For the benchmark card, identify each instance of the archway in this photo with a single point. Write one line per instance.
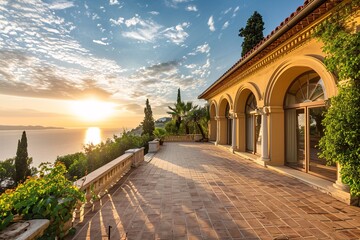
(246, 91)
(296, 95)
(225, 122)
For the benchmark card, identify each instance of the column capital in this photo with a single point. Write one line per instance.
(218, 118)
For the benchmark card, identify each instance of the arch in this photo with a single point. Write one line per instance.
(224, 100)
(212, 123)
(213, 108)
(288, 70)
(242, 95)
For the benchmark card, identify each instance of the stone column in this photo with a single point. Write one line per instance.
(217, 119)
(264, 135)
(339, 184)
(233, 134)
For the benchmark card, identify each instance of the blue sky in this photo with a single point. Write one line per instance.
(118, 51)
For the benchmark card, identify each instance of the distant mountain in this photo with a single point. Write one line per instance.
(20, 127)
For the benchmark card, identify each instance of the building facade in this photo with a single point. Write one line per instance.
(270, 103)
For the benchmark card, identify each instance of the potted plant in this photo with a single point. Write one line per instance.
(160, 134)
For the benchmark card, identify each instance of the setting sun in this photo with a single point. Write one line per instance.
(93, 110)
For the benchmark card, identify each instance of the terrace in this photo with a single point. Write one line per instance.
(201, 191)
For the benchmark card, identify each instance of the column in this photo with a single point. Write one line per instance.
(264, 135)
(217, 119)
(233, 134)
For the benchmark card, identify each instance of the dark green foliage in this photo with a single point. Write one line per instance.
(50, 196)
(148, 124)
(7, 171)
(75, 164)
(200, 116)
(341, 140)
(252, 33)
(179, 113)
(22, 160)
(95, 156)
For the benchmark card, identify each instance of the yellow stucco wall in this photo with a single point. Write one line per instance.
(269, 83)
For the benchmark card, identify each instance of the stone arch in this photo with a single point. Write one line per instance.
(225, 99)
(287, 71)
(224, 119)
(275, 93)
(243, 93)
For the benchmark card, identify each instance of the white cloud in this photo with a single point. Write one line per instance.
(191, 8)
(61, 4)
(205, 48)
(174, 3)
(226, 24)
(154, 13)
(114, 2)
(177, 34)
(235, 11)
(119, 21)
(100, 42)
(227, 10)
(211, 24)
(133, 21)
(191, 66)
(142, 30)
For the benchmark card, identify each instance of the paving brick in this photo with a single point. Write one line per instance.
(201, 191)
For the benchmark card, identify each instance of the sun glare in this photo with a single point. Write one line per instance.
(93, 136)
(93, 110)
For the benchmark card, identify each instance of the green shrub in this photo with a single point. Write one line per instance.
(50, 196)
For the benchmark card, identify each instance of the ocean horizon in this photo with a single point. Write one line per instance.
(46, 144)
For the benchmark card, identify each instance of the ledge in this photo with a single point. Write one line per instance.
(25, 230)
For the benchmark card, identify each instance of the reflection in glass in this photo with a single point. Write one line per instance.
(295, 138)
(250, 107)
(93, 136)
(318, 165)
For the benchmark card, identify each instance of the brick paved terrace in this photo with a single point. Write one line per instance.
(201, 191)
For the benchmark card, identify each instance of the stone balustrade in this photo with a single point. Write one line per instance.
(183, 138)
(97, 183)
(154, 146)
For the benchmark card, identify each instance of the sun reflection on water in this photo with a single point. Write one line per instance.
(93, 135)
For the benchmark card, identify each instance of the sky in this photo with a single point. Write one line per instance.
(72, 63)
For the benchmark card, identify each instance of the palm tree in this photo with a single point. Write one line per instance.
(176, 113)
(197, 115)
(187, 108)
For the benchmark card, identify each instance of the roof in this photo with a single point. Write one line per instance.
(304, 15)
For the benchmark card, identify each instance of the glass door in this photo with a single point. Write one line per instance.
(258, 134)
(318, 165)
(295, 138)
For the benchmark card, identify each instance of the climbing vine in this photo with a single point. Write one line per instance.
(341, 140)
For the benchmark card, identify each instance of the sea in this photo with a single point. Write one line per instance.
(46, 144)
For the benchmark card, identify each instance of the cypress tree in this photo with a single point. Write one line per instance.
(148, 123)
(252, 33)
(22, 160)
(178, 100)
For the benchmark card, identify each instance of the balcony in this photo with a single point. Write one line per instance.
(201, 191)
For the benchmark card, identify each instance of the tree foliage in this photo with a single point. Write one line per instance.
(22, 160)
(148, 124)
(341, 140)
(50, 196)
(252, 33)
(7, 171)
(200, 116)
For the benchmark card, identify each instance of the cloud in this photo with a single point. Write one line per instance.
(118, 22)
(142, 30)
(227, 10)
(177, 34)
(150, 31)
(61, 4)
(191, 8)
(100, 42)
(205, 48)
(44, 81)
(114, 2)
(211, 23)
(226, 24)
(174, 3)
(154, 13)
(235, 11)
